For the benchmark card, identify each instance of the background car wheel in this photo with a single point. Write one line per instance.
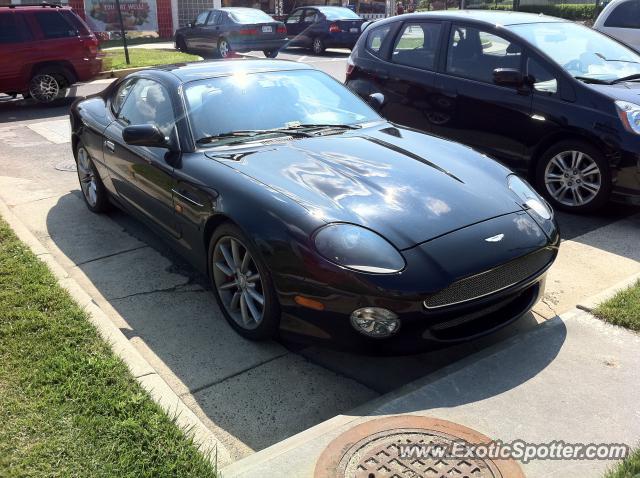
(574, 176)
(317, 46)
(93, 190)
(180, 44)
(48, 85)
(270, 53)
(224, 49)
(242, 285)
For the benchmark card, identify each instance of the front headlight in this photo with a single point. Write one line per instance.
(530, 199)
(629, 115)
(358, 248)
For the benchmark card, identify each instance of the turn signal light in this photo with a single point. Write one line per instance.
(309, 303)
(334, 28)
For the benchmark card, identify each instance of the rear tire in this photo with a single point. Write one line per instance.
(270, 53)
(48, 85)
(574, 176)
(181, 45)
(317, 46)
(94, 193)
(224, 49)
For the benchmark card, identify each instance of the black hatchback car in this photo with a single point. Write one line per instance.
(555, 100)
(220, 32)
(318, 28)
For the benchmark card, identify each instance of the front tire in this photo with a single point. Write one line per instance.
(270, 53)
(574, 176)
(317, 45)
(242, 284)
(48, 85)
(93, 191)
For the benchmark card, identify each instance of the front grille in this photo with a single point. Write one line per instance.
(491, 281)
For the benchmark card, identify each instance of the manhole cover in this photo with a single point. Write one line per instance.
(374, 450)
(69, 166)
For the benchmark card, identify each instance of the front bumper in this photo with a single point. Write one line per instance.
(625, 156)
(455, 288)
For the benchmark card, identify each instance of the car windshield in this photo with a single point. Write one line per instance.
(249, 15)
(269, 101)
(583, 52)
(339, 13)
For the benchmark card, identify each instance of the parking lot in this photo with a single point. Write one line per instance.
(251, 394)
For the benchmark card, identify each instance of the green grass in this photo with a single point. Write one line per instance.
(140, 57)
(68, 406)
(131, 41)
(629, 468)
(622, 309)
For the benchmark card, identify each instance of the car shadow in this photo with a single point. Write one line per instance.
(328, 53)
(20, 109)
(259, 393)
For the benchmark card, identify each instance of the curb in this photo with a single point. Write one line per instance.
(103, 75)
(595, 300)
(144, 373)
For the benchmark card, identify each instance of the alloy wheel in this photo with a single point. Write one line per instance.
(44, 88)
(238, 282)
(87, 177)
(223, 48)
(573, 178)
(317, 46)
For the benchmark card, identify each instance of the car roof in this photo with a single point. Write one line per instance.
(209, 69)
(489, 17)
(28, 8)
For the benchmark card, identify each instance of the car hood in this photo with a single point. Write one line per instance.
(627, 91)
(407, 186)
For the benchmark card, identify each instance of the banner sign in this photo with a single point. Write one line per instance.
(102, 15)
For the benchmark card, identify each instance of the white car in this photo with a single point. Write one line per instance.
(621, 20)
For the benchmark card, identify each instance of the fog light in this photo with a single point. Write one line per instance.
(375, 322)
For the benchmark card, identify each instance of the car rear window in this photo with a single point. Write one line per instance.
(339, 13)
(76, 21)
(376, 38)
(53, 25)
(250, 15)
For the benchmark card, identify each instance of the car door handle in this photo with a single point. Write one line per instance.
(110, 145)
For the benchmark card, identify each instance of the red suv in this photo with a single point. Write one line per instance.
(44, 49)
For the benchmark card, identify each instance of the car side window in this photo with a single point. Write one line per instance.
(148, 103)
(310, 16)
(625, 15)
(201, 19)
(120, 95)
(417, 45)
(543, 80)
(9, 32)
(375, 38)
(474, 53)
(294, 17)
(53, 25)
(214, 18)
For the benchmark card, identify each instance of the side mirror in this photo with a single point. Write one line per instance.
(507, 77)
(376, 101)
(145, 135)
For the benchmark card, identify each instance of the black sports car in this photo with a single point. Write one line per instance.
(310, 213)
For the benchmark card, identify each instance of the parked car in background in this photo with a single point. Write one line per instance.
(44, 50)
(621, 19)
(319, 28)
(220, 32)
(300, 202)
(557, 101)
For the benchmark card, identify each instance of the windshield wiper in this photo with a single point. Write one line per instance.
(635, 76)
(600, 55)
(249, 133)
(588, 79)
(322, 125)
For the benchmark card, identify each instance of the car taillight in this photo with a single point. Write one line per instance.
(334, 28)
(350, 67)
(248, 31)
(282, 29)
(92, 46)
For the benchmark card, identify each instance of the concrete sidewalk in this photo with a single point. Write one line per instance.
(574, 378)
